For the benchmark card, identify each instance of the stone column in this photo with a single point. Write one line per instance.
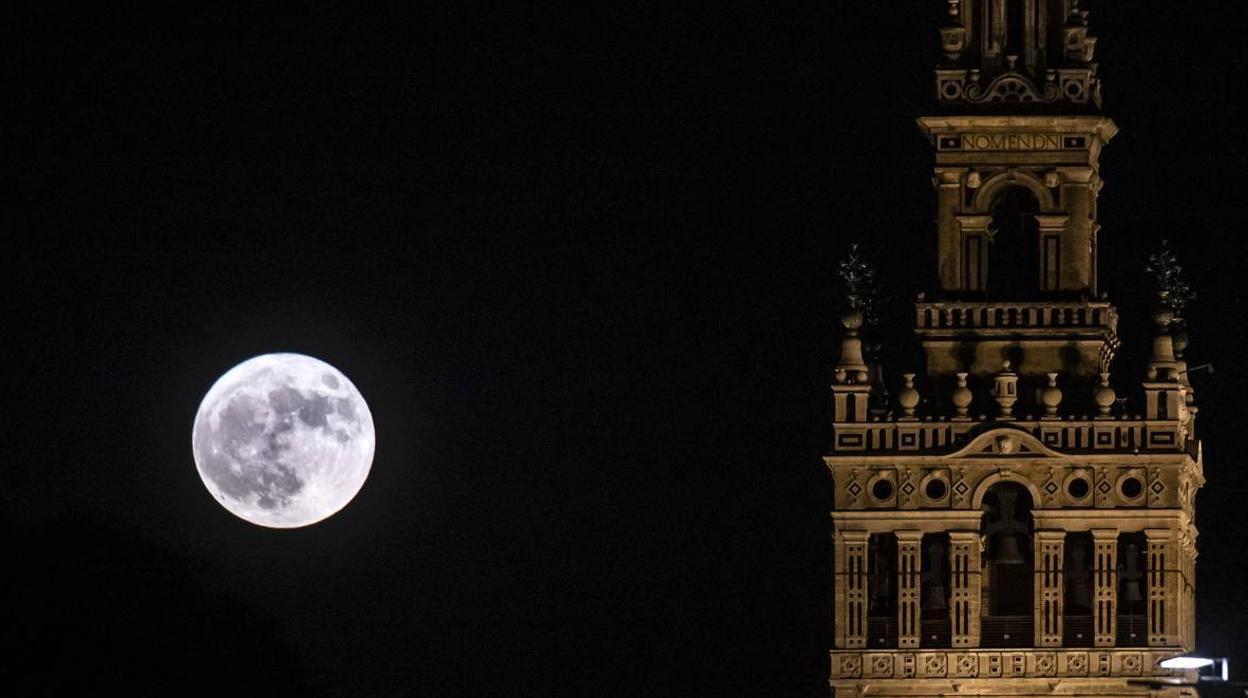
(972, 270)
(1105, 587)
(1051, 227)
(908, 605)
(850, 572)
(1049, 586)
(964, 574)
(1163, 587)
(948, 184)
(1187, 611)
(1077, 237)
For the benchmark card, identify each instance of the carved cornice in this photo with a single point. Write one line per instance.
(1007, 442)
(1100, 126)
(859, 666)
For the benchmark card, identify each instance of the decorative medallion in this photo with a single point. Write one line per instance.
(967, 666)
(1046, 663)
(882, 666)
(1131, 663)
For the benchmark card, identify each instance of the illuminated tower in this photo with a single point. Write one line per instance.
(1007, 525)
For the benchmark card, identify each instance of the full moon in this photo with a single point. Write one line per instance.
(283, 440)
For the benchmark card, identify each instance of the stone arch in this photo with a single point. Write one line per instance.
(989, 190)
(977, 499)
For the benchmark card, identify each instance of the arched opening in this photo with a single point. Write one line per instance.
(1009, 578)
(1132, 590)
(1077, 625)
(1015, 20)
(882, 590)
(934, 583)
(1013, 259)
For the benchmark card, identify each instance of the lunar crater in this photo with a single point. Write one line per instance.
(283, 440)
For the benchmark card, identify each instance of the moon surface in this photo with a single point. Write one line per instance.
(283, 440)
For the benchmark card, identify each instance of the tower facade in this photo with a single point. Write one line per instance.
(1005, 524)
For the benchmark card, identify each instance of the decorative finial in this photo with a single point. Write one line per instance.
(1051, 397)
(908, 398)
(1105, 396)
(1005, 389)
(962, 397)
(859, 279)
(1173, 295)
(858, 276)
(1172, 290)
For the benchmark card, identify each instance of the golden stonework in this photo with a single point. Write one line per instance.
(1005, 524)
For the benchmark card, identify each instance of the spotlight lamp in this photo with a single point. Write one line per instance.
(1207, 668)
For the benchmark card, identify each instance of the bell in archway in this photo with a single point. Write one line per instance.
(1131, 575)
(934, 598)
(1131, 592)
(1007, 552)
(933, 579)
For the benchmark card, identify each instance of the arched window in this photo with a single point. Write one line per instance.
(934, 583)
(882, 590)
(1009, 578)
(1077, 567)
(1014, 246)
(1132, 590)
(1016, 21)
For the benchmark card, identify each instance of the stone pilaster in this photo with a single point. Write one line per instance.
(1187, 595)
(908, 569)
(973, 251)
(1049, 253)
(964, 566)
(1163, 587)
(1105, 587)
(1049, 587)
(851, 589)
(1076, 271)
(949, 235)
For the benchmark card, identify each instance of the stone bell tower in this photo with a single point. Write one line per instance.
(1008, 525)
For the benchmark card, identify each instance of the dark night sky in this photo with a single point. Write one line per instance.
(579, 261)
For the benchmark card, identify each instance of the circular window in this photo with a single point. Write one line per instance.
(1078, 488)
(1131, 487)
(935, 489)
(882, 490)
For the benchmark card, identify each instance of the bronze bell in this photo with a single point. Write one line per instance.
(1007, 552)
(1131, 575)
(935, 598)
(1131, 592)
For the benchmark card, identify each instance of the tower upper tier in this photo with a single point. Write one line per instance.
(1000, 55)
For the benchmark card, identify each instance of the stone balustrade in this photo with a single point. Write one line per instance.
(1099, 315)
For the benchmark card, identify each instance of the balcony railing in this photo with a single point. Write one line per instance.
(1005, 631)
(1032, 315)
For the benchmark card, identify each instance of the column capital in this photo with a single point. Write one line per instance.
(1159, 534)
(855, 536)
(1076, 175)
(964, 536)
(909, 536)
(949, 176)
(1051, 222)
(1104, 534)
(1051, 535)
(974, 222)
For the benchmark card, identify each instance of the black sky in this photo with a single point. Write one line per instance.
(579, 261)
